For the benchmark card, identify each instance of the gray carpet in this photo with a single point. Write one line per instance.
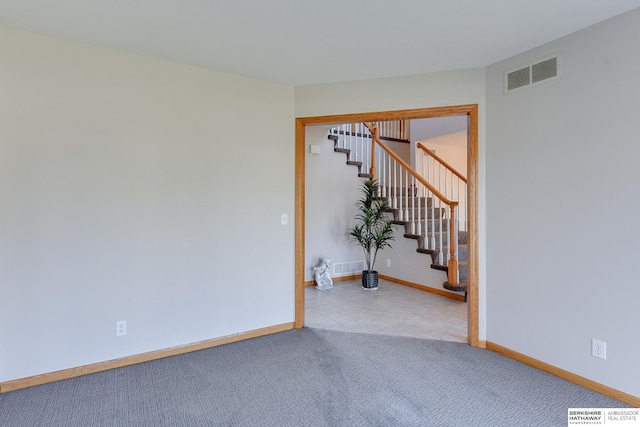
(309, 377)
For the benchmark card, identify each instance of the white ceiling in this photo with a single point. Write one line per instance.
(298, 42)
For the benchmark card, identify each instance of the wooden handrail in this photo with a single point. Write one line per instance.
(413, 173)
(443, 162)
(452, 264)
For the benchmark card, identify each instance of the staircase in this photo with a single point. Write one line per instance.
(350, 162)
(413, 205)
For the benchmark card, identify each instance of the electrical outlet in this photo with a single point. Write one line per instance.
(599, 348)
(388, 262)
(121, 328)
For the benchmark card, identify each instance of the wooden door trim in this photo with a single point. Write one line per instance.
(469, 110)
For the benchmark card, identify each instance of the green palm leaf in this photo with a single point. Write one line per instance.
(374, 228)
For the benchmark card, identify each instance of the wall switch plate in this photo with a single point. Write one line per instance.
(388, 262)
(599, 348)
(121, 328)
(284, 219)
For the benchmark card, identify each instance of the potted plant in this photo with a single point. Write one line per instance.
(373, 230)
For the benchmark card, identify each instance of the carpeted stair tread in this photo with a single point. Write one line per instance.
(439, 214)
(398, 191)
(461, 263)
(463, 250)
(463, 269)
(439, 267)
(431, 225)
(463, 253)
(462, 237)
(422, 211)
(412, 202)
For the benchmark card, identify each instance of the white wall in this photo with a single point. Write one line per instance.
(402, 149)
(436, 126)
(124, 195)
(399, 93)
(332, 189)
(394, 93)
(562, 233)
(452, 148)
(422, 129)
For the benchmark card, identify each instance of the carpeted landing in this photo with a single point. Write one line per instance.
(309, 377)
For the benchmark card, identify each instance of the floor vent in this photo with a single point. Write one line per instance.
(538, 71)
(347, 268)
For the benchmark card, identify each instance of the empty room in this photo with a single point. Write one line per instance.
(173, 176)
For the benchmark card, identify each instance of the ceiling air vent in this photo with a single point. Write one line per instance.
(538, 71)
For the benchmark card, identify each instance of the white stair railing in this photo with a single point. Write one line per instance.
(445, 178)
(393, 129)
(432, 214)
(437, 224)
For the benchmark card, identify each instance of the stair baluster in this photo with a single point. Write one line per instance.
(398, 189)
(389, 196)
(432, 239)
(440, 254)
(419, 191)
(457, 182)
(372, 169)
(406, 199)
(452, 264)
(413, 206)
(394, 185)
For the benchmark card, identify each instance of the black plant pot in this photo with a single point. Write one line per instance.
(370, 279)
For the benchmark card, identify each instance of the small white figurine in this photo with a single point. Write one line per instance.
(322, 276)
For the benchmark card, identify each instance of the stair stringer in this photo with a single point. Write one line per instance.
(350, 162)
(407, 264)
(405, 231)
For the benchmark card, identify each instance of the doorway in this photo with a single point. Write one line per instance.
(471, 112)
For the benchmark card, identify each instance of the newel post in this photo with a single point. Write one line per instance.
(452, 266)
(374, 138)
